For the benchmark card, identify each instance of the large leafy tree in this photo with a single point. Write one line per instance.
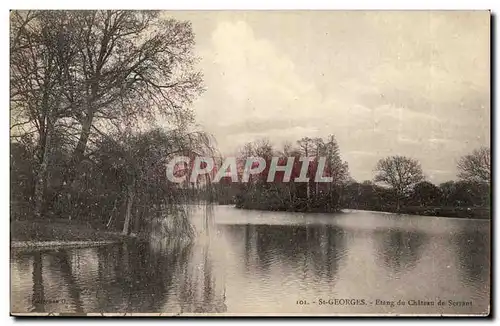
(400, 173)
(84, 73)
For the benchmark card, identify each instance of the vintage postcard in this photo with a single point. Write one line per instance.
(250, 163)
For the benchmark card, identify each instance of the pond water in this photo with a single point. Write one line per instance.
(254, 262)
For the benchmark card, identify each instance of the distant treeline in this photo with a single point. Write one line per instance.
(398, 186)
(449, 199)
(452, 199)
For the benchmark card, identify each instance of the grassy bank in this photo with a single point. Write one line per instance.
(59, 230)
(301, 208)
(457, 212)
(483, 213)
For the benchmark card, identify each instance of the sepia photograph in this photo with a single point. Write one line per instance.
(250, 163)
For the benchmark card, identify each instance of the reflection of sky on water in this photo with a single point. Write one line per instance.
(246, 267)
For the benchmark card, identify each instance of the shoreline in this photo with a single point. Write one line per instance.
(354, 210)
(59, 244)
(454, 213)
(53, 234)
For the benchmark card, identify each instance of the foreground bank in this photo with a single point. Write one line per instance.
(43, 233)
(482, 213)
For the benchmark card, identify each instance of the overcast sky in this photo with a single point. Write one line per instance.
(407, 83)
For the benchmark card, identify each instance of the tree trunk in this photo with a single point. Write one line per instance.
(41, 176)
(79, 151)
(78, 154)
(138, 216)
(128, 212)
(84, 137)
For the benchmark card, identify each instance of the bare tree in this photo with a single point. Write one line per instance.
(135, 164)
(132, 65)
(305, 146)
(76, 71)
(41, 53)
(338, 169)
(476, 166)
(19, 21)
(399, 172)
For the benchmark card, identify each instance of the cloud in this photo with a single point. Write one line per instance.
(260, 82)
(384, 84)
(262, 91)
(256, 90)
(361, 153)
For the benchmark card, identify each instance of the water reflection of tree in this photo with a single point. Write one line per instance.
(28, 264)
(141, 277)
(132, 277)
(199, 292)
(146, 283)
(137, 278)
(55, 260)
(316, 250)
(473, 255)
(63, 261)
(38, 291)
(400, 249)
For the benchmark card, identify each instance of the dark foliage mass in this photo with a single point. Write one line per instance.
(87, 90)
(258, 193)
(399, 185)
